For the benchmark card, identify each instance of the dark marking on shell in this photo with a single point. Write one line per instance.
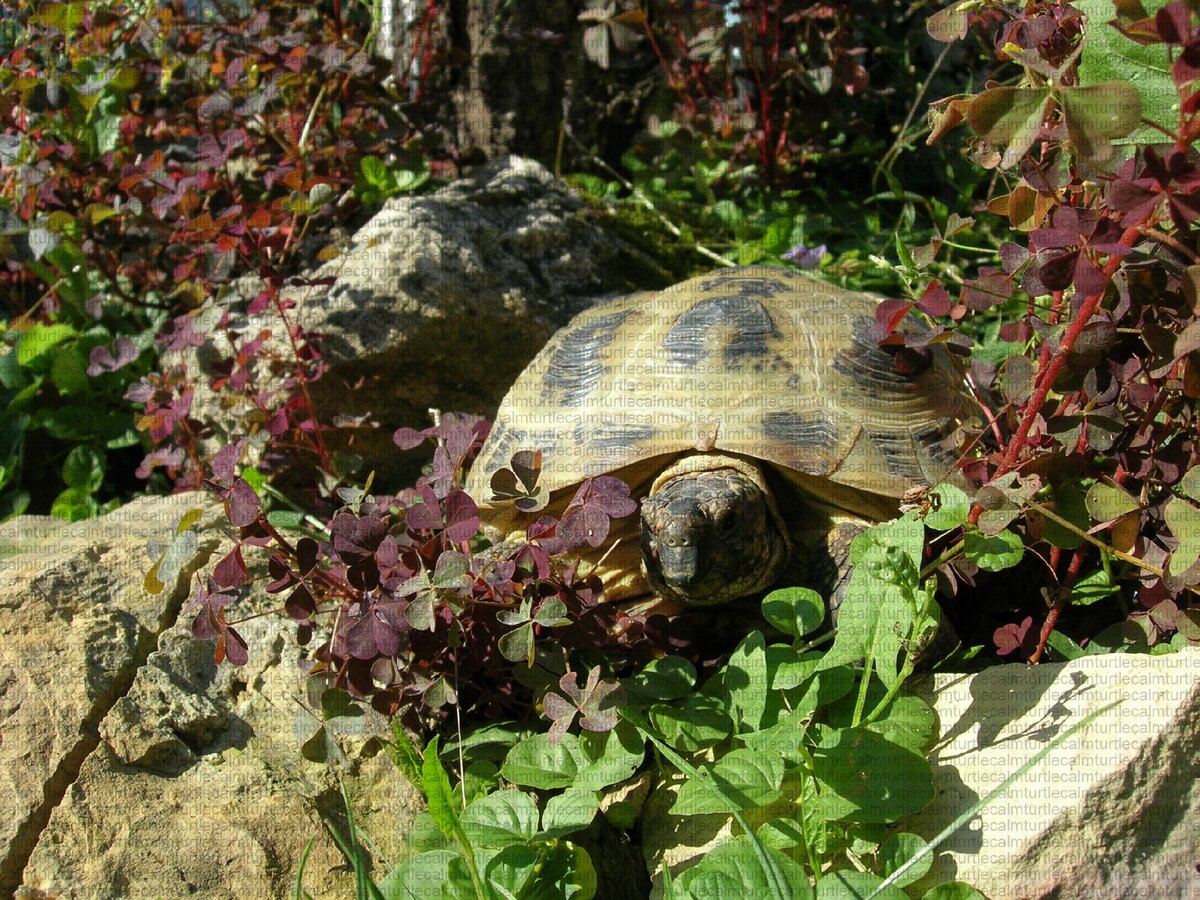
(749, 320)
(799, 430)
(619, 437)
(897, 449)
(577, 366)
(932, 441)
(865, 363)
(726, 284)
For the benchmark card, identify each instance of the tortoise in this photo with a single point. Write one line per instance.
(752, 415)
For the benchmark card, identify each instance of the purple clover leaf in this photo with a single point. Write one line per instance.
(596, 703)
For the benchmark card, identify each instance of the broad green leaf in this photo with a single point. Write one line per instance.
(510, 870)
(742, 683)
(68, 370)
(867, 778)
(697, 722)
(795, 611)
(1069, 503)
(517, 645)
(745, 778)
(567, 873)
(952, 507)
(1106, 502)
(1184, 521)
(1097, 113)
(850, 884)
(994, 552)
(613, 755)
(733, 871)
(668, 678)
(781, 833)
(74, 505)
(568, 812)
(1189, 484)
(896, 850)
(40, 340)
(1110, 56)
(411, 880)
(499, 819)
(952, 890)
(537, 763)
(84, 469)
(1093, 587)
(1064, 646)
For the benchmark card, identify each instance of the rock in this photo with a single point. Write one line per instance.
(1113, 812)
(439, 301)
(130, 765)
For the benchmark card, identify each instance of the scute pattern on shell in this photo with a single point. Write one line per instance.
(766, 363)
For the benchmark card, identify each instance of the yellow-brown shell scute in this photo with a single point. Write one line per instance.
(766, 363)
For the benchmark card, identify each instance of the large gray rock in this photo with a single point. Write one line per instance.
(133, 767)
(439, 301)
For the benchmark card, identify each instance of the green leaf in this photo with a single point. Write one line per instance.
(994, 552)
(1189, 484)
(729, 214)
(1097, 113)
(40, 340)
(568, 812)
(699, 721)
(952, 508)
(667, 678)
(517, 645)
(510, 870)
(613, 755)
(1070, 504)
(896, 850)
(1093, 587)
(1009, 115)
(1064, 646)
(411, 880)
(74, 505)
(741, 684)
(745, 778)
(952, 890)
(567, 873)
(733, 871)
(1106, 502)
(1110, 56)
(849, 884)
(84, 469)
(1184, 521)
(497, 820)
(867, 778)
(795, 611)
(537, 763)
(68, 370)
(435, 784)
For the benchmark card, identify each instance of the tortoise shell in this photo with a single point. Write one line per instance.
(763, 363)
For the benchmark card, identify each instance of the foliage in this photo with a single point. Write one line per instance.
(782, 142)
(422, 621)
(812, 757)
(147, 165)
(1093, 382)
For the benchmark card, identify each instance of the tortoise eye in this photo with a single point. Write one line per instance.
(727, 524)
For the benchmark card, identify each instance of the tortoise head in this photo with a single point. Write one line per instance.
(709, 537)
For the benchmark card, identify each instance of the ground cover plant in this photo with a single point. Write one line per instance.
(1067, 266)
